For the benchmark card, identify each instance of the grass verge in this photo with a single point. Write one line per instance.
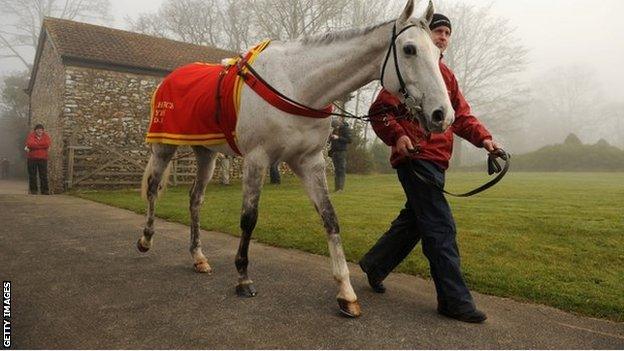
(551, 238)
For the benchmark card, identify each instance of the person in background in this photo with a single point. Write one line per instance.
(274, 173)
(339, 139)
(5, 165)
(37, 145)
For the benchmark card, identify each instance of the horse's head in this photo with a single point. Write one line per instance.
(411, 71)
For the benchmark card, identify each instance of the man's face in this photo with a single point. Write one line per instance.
(441, 37)
(39, 132)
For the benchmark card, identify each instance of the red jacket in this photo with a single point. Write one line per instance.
(38, 146)
(438, 147)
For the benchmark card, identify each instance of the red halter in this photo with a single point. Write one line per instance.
(274, 97)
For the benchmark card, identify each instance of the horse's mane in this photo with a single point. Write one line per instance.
(330, 37)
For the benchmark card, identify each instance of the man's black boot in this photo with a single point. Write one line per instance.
(474, 316)
(375, 283)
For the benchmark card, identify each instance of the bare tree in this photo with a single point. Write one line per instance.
(191, 21)
(569, 100)
(572, 94)
(13, 117)
(219, 23)
(14, 103)
(615, 115)
(237, 24)
(20, 22)
(484, 49)
(237, 28)
(284, 19)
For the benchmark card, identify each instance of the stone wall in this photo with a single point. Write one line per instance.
(47, 107)
(108, 106)
(109, 111)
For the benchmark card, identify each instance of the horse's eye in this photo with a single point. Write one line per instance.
(409, 49)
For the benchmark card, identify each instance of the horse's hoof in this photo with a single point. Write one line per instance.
(202, 267)
(245, 290)
(349, 309)
(141, 247)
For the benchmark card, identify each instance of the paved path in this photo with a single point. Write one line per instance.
(13, 187)
(78, 282)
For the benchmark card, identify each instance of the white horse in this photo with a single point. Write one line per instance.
(313, 71)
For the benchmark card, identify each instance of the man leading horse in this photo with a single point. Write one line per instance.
(426, 214)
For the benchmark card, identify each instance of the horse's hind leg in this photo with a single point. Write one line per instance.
(312, 172)
(154, 180)
(253, 174)
(205, 169)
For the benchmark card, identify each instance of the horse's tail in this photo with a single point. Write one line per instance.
(149, 171)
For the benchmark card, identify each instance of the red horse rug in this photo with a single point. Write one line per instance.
(197, 104)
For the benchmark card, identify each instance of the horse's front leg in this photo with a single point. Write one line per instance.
(253, 172)
(312, 172)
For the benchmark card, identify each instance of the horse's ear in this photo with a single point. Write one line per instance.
(429, 12)
(407, 12)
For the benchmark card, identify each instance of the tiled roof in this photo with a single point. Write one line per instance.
(101, 45)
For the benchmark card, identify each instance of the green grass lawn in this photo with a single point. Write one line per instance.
(552, 238)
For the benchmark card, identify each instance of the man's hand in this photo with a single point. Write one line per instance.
(26, 149)
(491, 146)
(404, 145)
(334, 137)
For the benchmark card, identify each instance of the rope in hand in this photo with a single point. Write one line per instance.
(493, 167)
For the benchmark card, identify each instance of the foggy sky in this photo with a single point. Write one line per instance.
(570, 32)
(557, 33)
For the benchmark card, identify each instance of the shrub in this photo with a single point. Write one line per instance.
(572, 155)
(359, 159)
(381, 157)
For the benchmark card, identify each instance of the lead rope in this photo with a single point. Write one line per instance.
(493, 167)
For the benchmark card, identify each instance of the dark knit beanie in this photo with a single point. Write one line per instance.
(439, 20)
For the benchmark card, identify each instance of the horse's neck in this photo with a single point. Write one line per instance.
(320, 73)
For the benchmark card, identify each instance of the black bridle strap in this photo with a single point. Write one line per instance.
(493, 167)
(392, 49)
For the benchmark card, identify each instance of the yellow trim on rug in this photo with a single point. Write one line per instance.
(186, 136)
(238, 85)
(185, 142)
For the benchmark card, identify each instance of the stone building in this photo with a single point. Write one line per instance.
(91, 87)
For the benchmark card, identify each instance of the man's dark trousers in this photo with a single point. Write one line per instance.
(339, 159)
(41, 167)
(426, 216)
